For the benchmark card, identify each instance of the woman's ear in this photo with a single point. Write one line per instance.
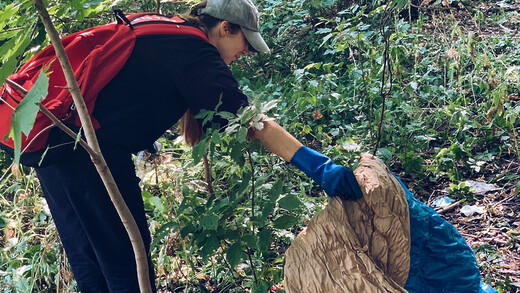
(224, 28)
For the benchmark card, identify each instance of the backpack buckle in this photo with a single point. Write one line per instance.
(121, 18)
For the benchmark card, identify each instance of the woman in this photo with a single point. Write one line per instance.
(165, 78)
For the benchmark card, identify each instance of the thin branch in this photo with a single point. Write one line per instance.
(252, 186)
(248, 251)
(12, 29)
(207, 173)
(449, 207)
(69, 76)
(53, 118)
(515, 139)
(386, 67)
(252, 211)
(6, 172)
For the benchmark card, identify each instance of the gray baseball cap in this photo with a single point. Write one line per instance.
(242, 13)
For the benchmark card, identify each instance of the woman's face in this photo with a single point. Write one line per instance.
(230, 45)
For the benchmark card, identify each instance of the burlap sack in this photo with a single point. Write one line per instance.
(355, 246)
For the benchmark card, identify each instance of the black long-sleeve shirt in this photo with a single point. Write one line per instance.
(164, 76)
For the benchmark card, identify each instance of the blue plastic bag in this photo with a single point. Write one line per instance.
(440, 258)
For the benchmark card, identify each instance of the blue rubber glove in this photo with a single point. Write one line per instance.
(336, 180)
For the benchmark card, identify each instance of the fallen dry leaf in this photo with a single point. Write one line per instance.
(453, 54)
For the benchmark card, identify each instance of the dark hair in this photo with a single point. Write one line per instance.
(204, 21)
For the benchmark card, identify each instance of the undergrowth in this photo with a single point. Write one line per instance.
(450, 115)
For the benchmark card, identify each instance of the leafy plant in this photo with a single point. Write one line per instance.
(462, 191)
(450, 115)
(248, 210)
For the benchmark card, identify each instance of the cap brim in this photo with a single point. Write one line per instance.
(256, 41)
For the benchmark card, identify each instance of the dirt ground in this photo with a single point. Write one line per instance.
(495, 232)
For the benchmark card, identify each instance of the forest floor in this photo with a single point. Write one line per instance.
(492, 229)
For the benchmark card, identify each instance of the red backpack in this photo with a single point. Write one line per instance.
(96, 55)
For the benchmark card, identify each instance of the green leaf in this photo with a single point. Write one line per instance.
(78, 137)
(246, 116)
(184, 205)
(235, 254)
(3, 221)
(23, 117)
(267, 209)
(43, 155)
(226, 115)
(236, 154)
(208, 118)
(250, 240)
(215, 138)
(199, 150)
(290, 202)
(8, 11)
(76, 4)
(246, 178)
(209, 247)
(232, 234)
(285, 222)
(17, 44)
(231, 128)
(187, 230)
(209, 222)
(220, 205)
(161, 233)
(276, 190)
(242, 135)
(268, 106)
(10, 58)
(517, 189)
(264, 239)
(7, 36)
(156, 202)
(384, 154)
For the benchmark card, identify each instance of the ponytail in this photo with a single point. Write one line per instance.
(190, 129)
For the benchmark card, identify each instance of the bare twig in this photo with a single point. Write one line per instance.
(252, 185)
(11, 29)
(250, 158)
(248, 251)
(97, 157)
(6, 172)
(386, 68)
(449, 207)
(515, 139)
(207, 171)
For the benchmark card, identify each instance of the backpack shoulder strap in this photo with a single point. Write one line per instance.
(157, 24)
(121, 17)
